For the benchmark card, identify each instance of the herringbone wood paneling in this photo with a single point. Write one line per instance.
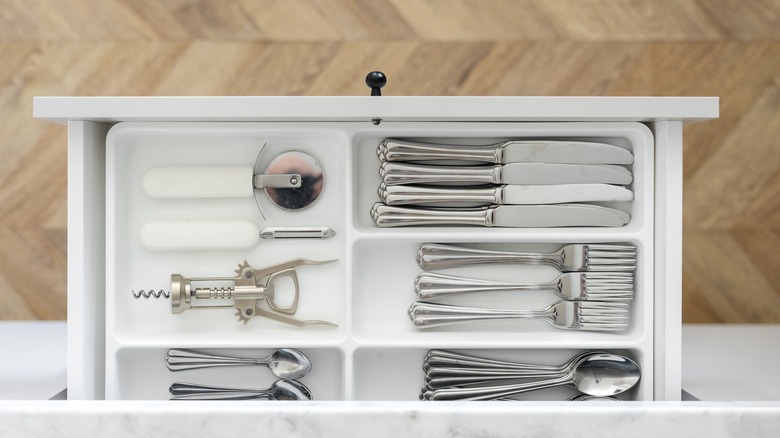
(726, 48)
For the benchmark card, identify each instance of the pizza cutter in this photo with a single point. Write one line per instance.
(293, 181)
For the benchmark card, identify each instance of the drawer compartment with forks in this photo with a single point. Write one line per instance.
(432, 288)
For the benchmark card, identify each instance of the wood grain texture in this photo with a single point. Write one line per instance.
(725, 48)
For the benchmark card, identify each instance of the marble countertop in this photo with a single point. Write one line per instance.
(720, 364)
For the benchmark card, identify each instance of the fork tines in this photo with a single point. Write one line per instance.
(603, 316)
(609, 286)
(608, 257)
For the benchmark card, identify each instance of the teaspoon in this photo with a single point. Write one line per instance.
(280, 390)
(285, 363)
(438, 377)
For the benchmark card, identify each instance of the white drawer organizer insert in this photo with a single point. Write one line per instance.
(117, 344)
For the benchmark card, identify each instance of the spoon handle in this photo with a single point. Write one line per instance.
(232, 395)
(179, 360)
(179, 388)
(451, 358)
(494, 392)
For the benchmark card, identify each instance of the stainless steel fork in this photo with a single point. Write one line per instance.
(588, 286)
(569, 258)
(572, 315)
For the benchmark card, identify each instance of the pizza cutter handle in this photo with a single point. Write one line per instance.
(199, 182)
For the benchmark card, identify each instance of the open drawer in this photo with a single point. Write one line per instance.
(374, 351)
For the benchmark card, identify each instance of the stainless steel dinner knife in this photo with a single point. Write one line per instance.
(456, 197)
(514, 173)
(514, 216)
(522, 151)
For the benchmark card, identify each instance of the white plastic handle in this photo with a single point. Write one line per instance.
(183, 235)
(199, 182)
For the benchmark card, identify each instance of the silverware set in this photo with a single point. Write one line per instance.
(595, 375)
(596, 283)
(285, 363)
(534, 183)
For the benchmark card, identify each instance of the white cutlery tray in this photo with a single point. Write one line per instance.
(375, 352)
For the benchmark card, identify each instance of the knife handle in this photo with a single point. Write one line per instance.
(387, 216)
(404, 150)
(411, 195)
(396, 173)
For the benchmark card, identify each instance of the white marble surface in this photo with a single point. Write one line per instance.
(291, 419)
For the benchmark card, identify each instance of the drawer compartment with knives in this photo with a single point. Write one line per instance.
(240, 239)
(502, 177)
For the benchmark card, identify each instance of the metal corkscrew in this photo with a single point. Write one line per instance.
(252, 292)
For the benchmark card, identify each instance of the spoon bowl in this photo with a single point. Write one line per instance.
(604, 375)
(288, 363)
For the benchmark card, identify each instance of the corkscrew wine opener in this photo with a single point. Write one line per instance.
(252, 292)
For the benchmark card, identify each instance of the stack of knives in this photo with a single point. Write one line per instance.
(518, 183)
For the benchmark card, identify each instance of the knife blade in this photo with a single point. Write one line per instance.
(517, 151)
(457, 197)
(513, 173)
(513, 216)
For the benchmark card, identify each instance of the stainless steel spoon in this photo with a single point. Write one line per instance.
(450, 359)
(443, 377)
(282, 389)
(599, 375)
(286, 363)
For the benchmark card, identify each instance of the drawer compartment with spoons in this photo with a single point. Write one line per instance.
(502, 373)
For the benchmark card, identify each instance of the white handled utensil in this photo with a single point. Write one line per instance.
(293, 181)
(182, 235)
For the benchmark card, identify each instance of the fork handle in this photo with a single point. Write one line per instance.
(427, 315)
(432, 256)
(405, 150)
(431, 285)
